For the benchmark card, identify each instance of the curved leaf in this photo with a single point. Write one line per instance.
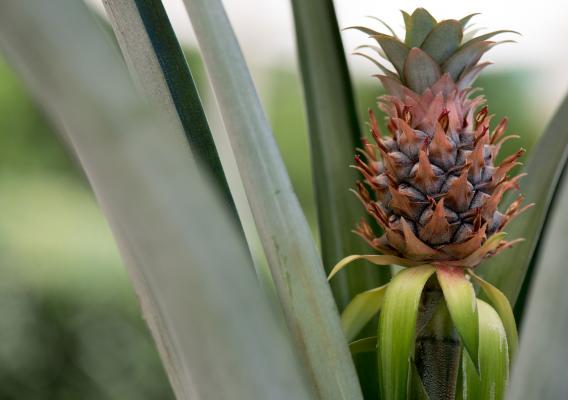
(375, 259)
(489, 35)
(361, 310)
(461, 301)
(384, 69)
(395, 50)
(492, 381)
(465, 57)
(286, 237)
(465, 20)
(418, 26)
(365, 345)
(544, 169)
(443, 41)
(420, 71)
(385, 25)
(501, 304)
(397, 329)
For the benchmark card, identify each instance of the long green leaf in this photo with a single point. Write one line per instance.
(501, 304)
(492, 381)
(461, 301)
(191, 272)
(156, 60)
(509, 270)
(397, 330)
(295, 264)
(334, 135)
(361, 310)
(539, 368)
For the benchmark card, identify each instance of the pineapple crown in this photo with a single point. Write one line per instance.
(434, 185)
(431, 49)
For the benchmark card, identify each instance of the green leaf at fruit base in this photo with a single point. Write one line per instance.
(547, 160)
(334, 133)
(397, 330)
(365, 345)
(539, 370)
(296, 266)
(361, 310)
(462, 305)
(501, 304)
(167, 220)
(493, 377)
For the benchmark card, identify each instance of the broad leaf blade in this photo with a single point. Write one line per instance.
(420, 71)
(166, 219)
(545, 165)
(397, 328)
(286, 237)
(443, 41)
(540, 365)
(461, 301)
(361, 310)
(395, 50)
(465, 57)
(334, 134)
(501, 304)
(418, 26)
(492, 381)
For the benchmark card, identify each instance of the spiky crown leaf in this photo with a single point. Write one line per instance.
(431, 49)
(435, 189)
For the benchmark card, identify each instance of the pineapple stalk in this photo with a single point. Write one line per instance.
(438, 346)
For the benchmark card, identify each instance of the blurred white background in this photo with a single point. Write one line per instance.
(265, 30)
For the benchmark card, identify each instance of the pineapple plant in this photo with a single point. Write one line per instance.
(434, 186)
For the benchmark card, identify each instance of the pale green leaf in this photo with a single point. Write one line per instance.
(395, 50)
(465, 20)
(492, 381)
(293, 259)
(361, 310)
(501, 304)
(420, 71)
(489, 35)
(397, 329)
(461, 301)
(376, 259)
(443, 41)
(168, 221)
(418, 26)
(465, 57)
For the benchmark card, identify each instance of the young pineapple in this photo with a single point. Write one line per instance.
(435, 182)
(435, 189)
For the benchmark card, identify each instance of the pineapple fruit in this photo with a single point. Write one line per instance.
(435, 184)
(434, 187)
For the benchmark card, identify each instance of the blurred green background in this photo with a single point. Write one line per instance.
(70, 327)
